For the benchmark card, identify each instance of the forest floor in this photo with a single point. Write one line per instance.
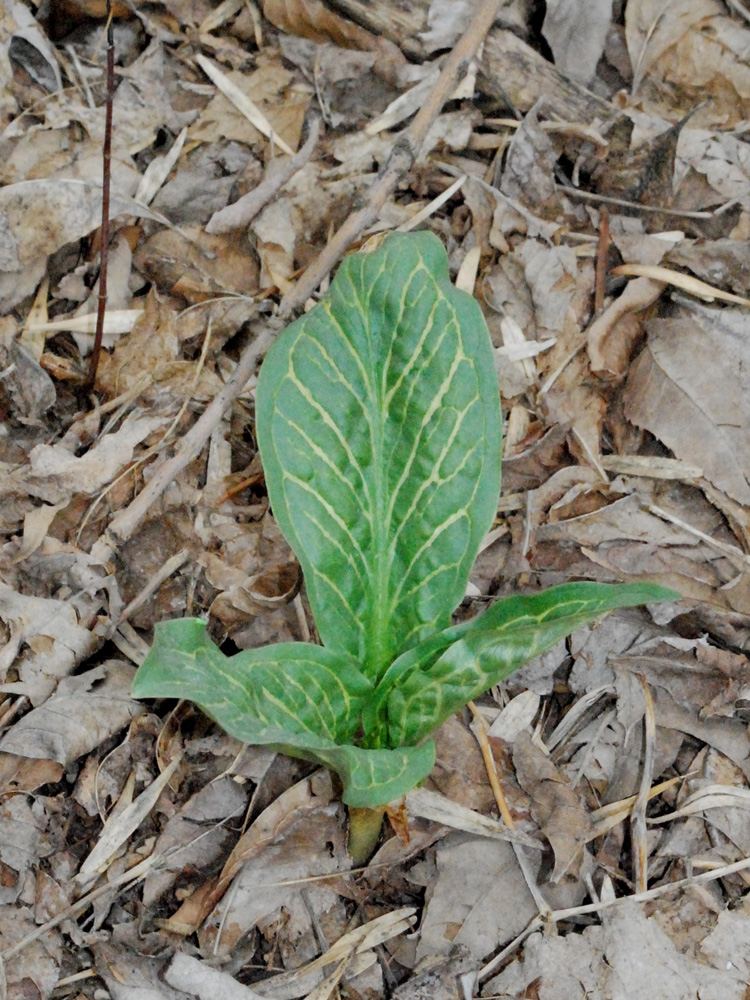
(589, 177)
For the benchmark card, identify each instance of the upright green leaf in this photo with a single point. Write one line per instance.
(378, 420)
(509, 634)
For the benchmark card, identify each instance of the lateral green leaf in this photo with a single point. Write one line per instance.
(297, 698)
(291, 692)
(509, 634)
(378, 420)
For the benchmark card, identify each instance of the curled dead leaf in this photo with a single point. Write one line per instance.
(311, 19)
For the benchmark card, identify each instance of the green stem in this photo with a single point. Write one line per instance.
(364, 830)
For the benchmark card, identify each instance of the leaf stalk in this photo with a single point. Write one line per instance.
(364, 831)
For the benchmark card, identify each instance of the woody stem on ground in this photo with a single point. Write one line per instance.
(106, 185)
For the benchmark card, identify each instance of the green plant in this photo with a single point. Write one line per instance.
(378, 421)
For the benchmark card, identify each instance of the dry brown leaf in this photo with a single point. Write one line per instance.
(267, 89)
(652, 27)
(555, 806)
(529, 168)
(20, 773)
(37, 967)
(198, 837)
(724, 262)
(299, 836)
(124, 819)
(311, 19)
(30, 390)
(188, 974)
(446, 22)
(153, 343)
(130, 973)
(575, 402)
(709, 61)
(611, 336)
(55, 473)
(720, 165)
(53, 644)
(276, 229)
(22, 843)
(198, 267)
(85, 711)
(459, 771)
(690, 387)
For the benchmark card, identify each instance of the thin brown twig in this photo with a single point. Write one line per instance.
(401, 160)
(638, 829)
(106, 185)
(602, 253)
(624, 203)
(479, 728)
(171, 566)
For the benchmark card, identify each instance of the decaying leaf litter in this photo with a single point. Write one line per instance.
(142, 850)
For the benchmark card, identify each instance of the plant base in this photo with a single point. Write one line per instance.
(364, 830)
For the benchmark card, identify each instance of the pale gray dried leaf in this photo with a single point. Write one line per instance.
(52, 639)
(480, 898)
(38, 217)
(551, 275)
(31, 49)
(440, 978)
(200, 831)
(22, 841)
(720, 795)
(724, 263)
(200, 979)
(38, 963)
(517, 715)
(612, 962)
(726, 946)
(297, 836)
(30, 388)
(129, 975)
(592, 647)
(643, 248)
(56, 473)
(530, 162)
(625, 519)
(730, 736)
(538, 675)
(690, 387)
(722, 159)
(446, 22)
(85, 711)
(576, 31)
